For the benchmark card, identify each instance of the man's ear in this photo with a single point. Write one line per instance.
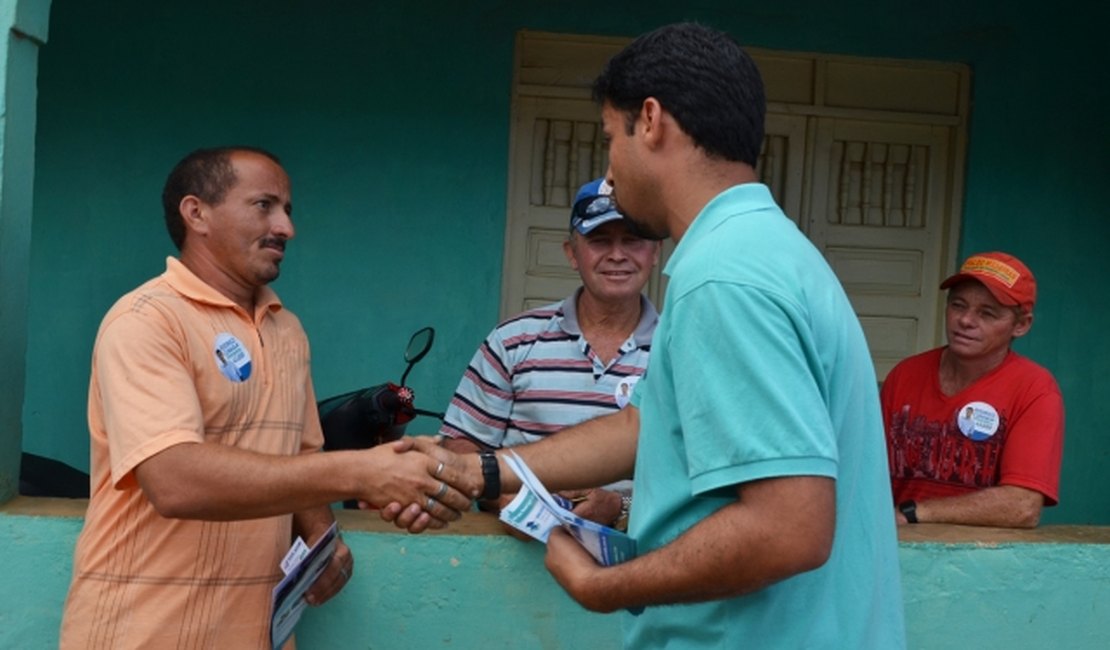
(194, 214)
(1023, 324)
(651, 119)
(568, 250)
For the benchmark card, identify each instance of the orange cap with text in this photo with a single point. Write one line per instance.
(1009, 281)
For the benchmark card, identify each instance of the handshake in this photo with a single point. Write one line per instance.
(419, 485)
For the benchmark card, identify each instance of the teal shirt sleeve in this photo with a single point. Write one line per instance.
(750, 398)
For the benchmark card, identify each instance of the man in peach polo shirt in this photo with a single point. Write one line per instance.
(204, 433)
(975, 431)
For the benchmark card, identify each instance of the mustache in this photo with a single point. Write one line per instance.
(273, 242)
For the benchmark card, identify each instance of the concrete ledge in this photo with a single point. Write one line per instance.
(479, 523)
(986, 536)
(474, 586)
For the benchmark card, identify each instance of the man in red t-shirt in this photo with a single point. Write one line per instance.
(974, 431)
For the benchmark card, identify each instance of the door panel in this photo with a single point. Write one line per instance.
(879, 213)
(781, 165)
(557, 147)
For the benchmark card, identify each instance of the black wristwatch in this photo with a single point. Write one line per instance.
(491, 473)
(909, 510)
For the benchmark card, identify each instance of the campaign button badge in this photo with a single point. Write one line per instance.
(977, 420)
(623, 392)
(232, 357)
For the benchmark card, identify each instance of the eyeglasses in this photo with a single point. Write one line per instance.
(592, 207)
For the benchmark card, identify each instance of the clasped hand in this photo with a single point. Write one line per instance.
(433, 482)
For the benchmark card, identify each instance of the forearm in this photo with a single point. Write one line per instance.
(217, 482)
(692, 568)
(462, 445)
(596, 452)
(1004, 506)
(743, 547)
(312, 522)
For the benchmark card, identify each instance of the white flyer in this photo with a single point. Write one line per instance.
(535, 512)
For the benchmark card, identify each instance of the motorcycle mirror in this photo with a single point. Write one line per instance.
(418, 346)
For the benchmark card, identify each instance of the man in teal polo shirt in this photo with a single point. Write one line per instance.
(762, 510)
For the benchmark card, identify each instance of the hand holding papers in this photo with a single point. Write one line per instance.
(302, 565)
(535, 512)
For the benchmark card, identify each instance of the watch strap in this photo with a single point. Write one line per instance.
(909, 510)
(621, 523)
(491, 474)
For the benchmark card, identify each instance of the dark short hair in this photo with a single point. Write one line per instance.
(702, 77)
(206, 174)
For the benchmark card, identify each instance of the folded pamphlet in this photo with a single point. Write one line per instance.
(302, 565)
(535, 512)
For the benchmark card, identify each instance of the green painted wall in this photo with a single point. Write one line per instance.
(492, 592)
(23, 28)
(392, 119)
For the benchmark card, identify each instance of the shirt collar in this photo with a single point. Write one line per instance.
(185, 281)
(644, 329)
(733, 202)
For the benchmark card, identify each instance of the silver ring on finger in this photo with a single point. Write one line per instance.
(429, 504)
(439, 469)
(345, 573)
(442, 490)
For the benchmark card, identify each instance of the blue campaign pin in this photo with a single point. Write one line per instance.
(232, 357)
(977, 420)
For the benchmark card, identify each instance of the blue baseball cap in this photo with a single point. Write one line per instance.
(593, 205)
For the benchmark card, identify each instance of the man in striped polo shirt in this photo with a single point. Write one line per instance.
(570, 361)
